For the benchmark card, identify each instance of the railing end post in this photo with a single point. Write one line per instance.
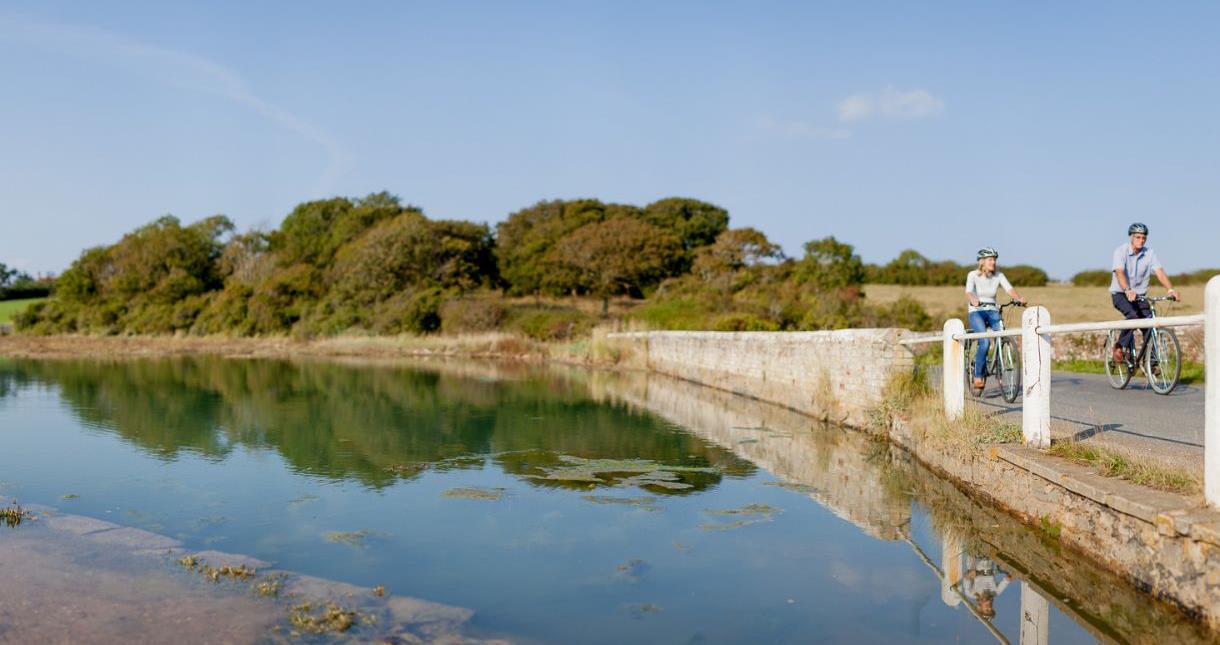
(953, 369)
(1211, 391)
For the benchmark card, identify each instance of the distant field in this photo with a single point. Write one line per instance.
(9, 308)
(1067, 303)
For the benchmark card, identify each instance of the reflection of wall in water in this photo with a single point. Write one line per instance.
(839, 466)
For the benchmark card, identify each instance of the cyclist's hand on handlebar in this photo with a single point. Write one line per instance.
(1173, 295)
(1131, 295)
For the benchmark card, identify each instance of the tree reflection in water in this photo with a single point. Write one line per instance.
(374, 424)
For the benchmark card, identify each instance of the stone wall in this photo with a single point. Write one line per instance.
(833, 375)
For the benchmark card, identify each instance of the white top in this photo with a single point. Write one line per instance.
(985, 287)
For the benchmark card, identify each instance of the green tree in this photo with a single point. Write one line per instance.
(525, 241)
(830, 265)
(735, 249)
(619, 256)
(695, 223)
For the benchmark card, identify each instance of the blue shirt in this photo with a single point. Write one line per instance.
(1136, 267)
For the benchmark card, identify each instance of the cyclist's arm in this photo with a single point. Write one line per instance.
(1164, 280)
(1118, 265)
(1121, 275)
(971, 296)
(1009, 289)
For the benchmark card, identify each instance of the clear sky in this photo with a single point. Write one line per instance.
(1042, 129)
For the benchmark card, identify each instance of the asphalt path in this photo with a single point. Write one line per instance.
(1085, 407)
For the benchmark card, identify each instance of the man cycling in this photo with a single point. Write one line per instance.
(1133, 265)
(982, 284)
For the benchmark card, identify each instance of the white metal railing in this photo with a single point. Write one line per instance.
(1035, 332)
(1142, 323)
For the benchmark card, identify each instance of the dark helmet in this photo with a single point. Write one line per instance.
(987, 252)
(1137, 228)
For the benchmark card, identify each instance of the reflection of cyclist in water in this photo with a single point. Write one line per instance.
(982, 582)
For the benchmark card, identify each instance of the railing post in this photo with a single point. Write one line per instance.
(1211, 392)
(1035, 616)
(954, 385)
(1036, 378)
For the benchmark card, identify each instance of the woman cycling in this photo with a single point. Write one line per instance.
(981, 287)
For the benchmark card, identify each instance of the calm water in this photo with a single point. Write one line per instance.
(560, 506)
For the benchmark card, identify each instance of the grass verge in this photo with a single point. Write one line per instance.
(10, 308)
(1192, 373)
(1112, 463)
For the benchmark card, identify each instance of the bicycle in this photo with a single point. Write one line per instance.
(1162, 364)
(1003, 362)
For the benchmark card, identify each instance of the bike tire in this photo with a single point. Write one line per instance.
(1010, 369)
(1119, 374)
(1167, 353)
(970, 347)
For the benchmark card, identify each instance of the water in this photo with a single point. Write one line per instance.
(561, 506)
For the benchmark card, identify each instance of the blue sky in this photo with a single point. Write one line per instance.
(1042, 129)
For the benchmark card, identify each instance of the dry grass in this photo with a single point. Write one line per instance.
(595, 350)
(1137, 470)
(1067, 303)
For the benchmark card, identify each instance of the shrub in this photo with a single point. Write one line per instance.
(1093, 278)
(551, 324)
(409, 312)
(471, 315)
(743, 322)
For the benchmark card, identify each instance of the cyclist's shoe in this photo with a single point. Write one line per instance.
(1156, 367)
(1118, 355)
(978, 384)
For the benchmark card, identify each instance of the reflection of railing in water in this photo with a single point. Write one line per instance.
(949, 586)
(836, 466)
(841, 464)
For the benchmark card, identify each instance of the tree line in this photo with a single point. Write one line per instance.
(378, 265)
(1101, 277)
(15, 284)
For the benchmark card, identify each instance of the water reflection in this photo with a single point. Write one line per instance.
(983, 552)
(378, 424)
(705, 457)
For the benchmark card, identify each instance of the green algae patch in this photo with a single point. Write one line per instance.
(642, 609)
(328, 618)
(793, 486)
(474, 492)
(645, 503)
(748, 514)
(641, 473)
(631, 571)
(210, 573)
(350, 538)
(13, 515)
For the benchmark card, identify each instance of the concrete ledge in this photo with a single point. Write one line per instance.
(1122, 496)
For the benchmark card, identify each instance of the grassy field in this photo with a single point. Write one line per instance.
(9, 308)
(1067, 303)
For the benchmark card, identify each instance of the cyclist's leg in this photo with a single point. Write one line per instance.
(978, 322)
(993, 319)
(1145, 311)
(1130, 312)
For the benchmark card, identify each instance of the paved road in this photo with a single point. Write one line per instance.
(1169, 428)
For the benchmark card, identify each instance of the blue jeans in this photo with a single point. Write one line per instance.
(981, 321)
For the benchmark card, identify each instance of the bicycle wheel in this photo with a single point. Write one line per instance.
(970, 347)
(1119, 373)
(1010, 369)
(1163, 361)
